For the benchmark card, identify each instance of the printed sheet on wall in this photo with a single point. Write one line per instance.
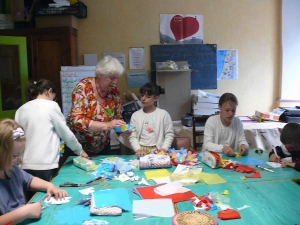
(69, 78)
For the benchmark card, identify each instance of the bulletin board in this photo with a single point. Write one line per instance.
(202, 59)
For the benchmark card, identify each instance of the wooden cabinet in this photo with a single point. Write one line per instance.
(48, 49)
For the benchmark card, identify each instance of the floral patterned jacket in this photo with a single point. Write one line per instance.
(86, 108)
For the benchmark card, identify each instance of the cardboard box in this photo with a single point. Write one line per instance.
(269, 116)
(56, 21)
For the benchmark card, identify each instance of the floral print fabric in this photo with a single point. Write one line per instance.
(86, 109)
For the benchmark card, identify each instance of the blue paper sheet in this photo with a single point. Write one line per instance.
(73, 215)
(112, 197)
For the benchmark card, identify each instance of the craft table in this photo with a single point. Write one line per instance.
(272, 202)
(272, 198)
(71, 173)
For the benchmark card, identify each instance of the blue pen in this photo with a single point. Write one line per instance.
(91, 181)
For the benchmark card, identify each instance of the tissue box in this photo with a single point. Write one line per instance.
(212, 159)
(84, 163)
(264, 115)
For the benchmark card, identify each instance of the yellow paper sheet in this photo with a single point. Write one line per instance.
(156, 173)
(210, 178)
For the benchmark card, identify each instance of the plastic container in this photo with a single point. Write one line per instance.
(84, 163)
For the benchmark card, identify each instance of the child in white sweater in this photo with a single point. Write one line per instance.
(44, 125)
(153, 127)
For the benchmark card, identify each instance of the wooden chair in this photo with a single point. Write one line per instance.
(198, 121)
(179, 142)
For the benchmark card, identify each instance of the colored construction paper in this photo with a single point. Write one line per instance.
(73, 215)
(252, 161)
(156, 173)
(118, 197)
(148, 193)
(209, 178)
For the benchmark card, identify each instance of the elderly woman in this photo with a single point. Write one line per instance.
(96, 107)
(224, 133)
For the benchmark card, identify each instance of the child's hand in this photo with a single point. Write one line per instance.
(140, 153)
(285, 163)
(84, 155)
(33, 210)
(228, 151)
(243, 150)
(57, 192)
(275, 158)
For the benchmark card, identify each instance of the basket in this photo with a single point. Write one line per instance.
(78, 9)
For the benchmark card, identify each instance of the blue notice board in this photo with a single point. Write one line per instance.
(202, 59)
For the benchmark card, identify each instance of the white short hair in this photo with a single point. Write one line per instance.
(109, 65)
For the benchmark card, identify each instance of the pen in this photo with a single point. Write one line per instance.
(275, 151)
(91, 181)
(265, 168)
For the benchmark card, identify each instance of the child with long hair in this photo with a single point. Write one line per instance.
(45, 125)
(153, 127)
(14, 181)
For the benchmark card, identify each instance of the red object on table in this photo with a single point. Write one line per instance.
(148, 193)
(244, 169)
(229, 214)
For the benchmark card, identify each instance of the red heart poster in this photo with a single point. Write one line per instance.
(182, 28)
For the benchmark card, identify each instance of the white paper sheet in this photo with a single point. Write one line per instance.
(153, 207)
(171, 188)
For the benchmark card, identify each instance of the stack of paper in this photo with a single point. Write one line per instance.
(205, 106)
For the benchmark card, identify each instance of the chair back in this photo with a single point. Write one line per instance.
(179, 142)
(198, 121)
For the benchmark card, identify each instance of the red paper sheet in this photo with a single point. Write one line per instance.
(148, 193)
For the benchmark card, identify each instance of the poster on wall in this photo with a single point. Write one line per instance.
(136, 58)
(181, 28)
(227, 64)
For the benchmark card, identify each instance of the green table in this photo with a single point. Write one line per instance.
(272, 198)
(71, 173)
(271, 202)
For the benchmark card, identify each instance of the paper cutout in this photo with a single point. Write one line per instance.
(243, 178)
(171, 188)
(212, 178)
(72, 215)
(143, 182)
(53, 201)
(244, 168)
(87, 191)
(181, 169)
(95, 222)
(226, 192)
(156, 173)
(243, 207)
(229, 214)
(153, 207)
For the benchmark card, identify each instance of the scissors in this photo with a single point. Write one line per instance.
(43, 198)
(69, 184)
(259, 151)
